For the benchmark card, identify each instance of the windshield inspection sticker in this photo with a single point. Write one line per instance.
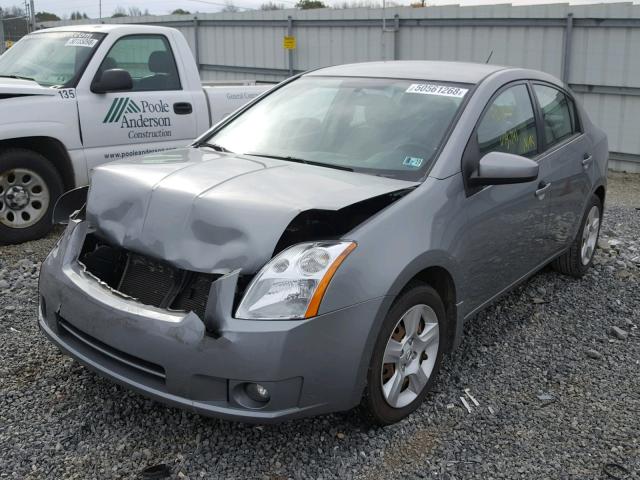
(440, 90)
(81, 42)
(413, 162)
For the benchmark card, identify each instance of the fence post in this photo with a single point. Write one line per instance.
(32, 16)
(566, 54)
(1, 36)
(290, 51)
(196, 42)
(396, 34)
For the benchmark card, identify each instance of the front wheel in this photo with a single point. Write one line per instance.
(407, 355)
(577, 260)
(29, 187)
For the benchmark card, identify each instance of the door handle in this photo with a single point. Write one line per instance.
(182, 108)
(542, 190)
(586, 160)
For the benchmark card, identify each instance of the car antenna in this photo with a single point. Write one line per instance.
(489, 57)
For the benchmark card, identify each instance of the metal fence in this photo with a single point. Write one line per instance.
(12, 30)
(593, 48)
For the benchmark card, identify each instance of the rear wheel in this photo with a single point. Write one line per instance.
(407, 355)
(577, 260)
(29, 187)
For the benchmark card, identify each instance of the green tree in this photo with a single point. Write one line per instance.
(46, 17)
(179, 11)
(119, 12)
(309, 4)
(78, 16)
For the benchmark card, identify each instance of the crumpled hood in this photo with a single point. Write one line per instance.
(214, 212)
(15, 86)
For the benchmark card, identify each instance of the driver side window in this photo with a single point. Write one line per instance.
(149, 61)
(509, 124)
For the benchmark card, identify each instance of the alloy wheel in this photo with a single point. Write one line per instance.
(410, 356)
(590, 235)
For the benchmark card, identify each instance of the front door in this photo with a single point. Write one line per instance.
(506, 229)
(155, 115)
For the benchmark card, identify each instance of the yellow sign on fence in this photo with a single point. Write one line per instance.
(8, 44)
(289, 43)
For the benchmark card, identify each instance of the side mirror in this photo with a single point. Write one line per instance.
(498, 168)
(114, 80)
(69, 203)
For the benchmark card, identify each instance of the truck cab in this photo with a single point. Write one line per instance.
(72, 98)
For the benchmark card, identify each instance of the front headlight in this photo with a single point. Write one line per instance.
(292, 284)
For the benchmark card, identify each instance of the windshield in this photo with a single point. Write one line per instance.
(51, 59)
(380, 126)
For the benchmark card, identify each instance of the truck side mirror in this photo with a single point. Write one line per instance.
(68, 203)
(114, 80)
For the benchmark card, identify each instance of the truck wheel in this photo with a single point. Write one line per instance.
(407, 355)
(29, 187)
(577, 260)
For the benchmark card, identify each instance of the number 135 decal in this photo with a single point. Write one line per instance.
(67, 93)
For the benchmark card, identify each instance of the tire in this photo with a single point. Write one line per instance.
(576, 261)
(29, 188)
(378, 405)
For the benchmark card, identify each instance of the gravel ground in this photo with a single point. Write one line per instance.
(558, 393)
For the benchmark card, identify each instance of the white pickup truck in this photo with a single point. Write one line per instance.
(74, 97)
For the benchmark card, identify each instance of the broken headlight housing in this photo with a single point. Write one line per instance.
(292, 284)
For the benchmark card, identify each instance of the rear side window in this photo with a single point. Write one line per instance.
(558, 114)
(508, 124)
(148, 59)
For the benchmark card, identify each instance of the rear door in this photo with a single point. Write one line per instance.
(567, 154)
(157, 114)
(506, 228)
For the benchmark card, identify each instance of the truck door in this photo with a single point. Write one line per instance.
(155, 115)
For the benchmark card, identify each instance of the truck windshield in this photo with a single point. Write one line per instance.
(51, 59)
(383, 127)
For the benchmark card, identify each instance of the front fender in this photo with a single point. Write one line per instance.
(421, 230)
(16, 130)
(40, 116)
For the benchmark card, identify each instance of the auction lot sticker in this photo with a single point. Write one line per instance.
(440, 90)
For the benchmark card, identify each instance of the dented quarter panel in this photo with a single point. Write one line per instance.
(214, 212)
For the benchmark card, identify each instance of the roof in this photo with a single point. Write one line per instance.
(103, 28)
(460, 72)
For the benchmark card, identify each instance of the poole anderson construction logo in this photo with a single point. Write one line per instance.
(143, 119)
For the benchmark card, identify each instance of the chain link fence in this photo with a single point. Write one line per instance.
(12, 30)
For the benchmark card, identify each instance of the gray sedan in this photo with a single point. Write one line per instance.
(322, 247)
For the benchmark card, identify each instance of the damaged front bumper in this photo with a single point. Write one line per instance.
(308, 366)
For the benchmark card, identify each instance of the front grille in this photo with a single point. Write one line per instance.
(150, 281)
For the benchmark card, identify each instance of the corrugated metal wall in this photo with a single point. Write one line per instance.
(594, 48)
